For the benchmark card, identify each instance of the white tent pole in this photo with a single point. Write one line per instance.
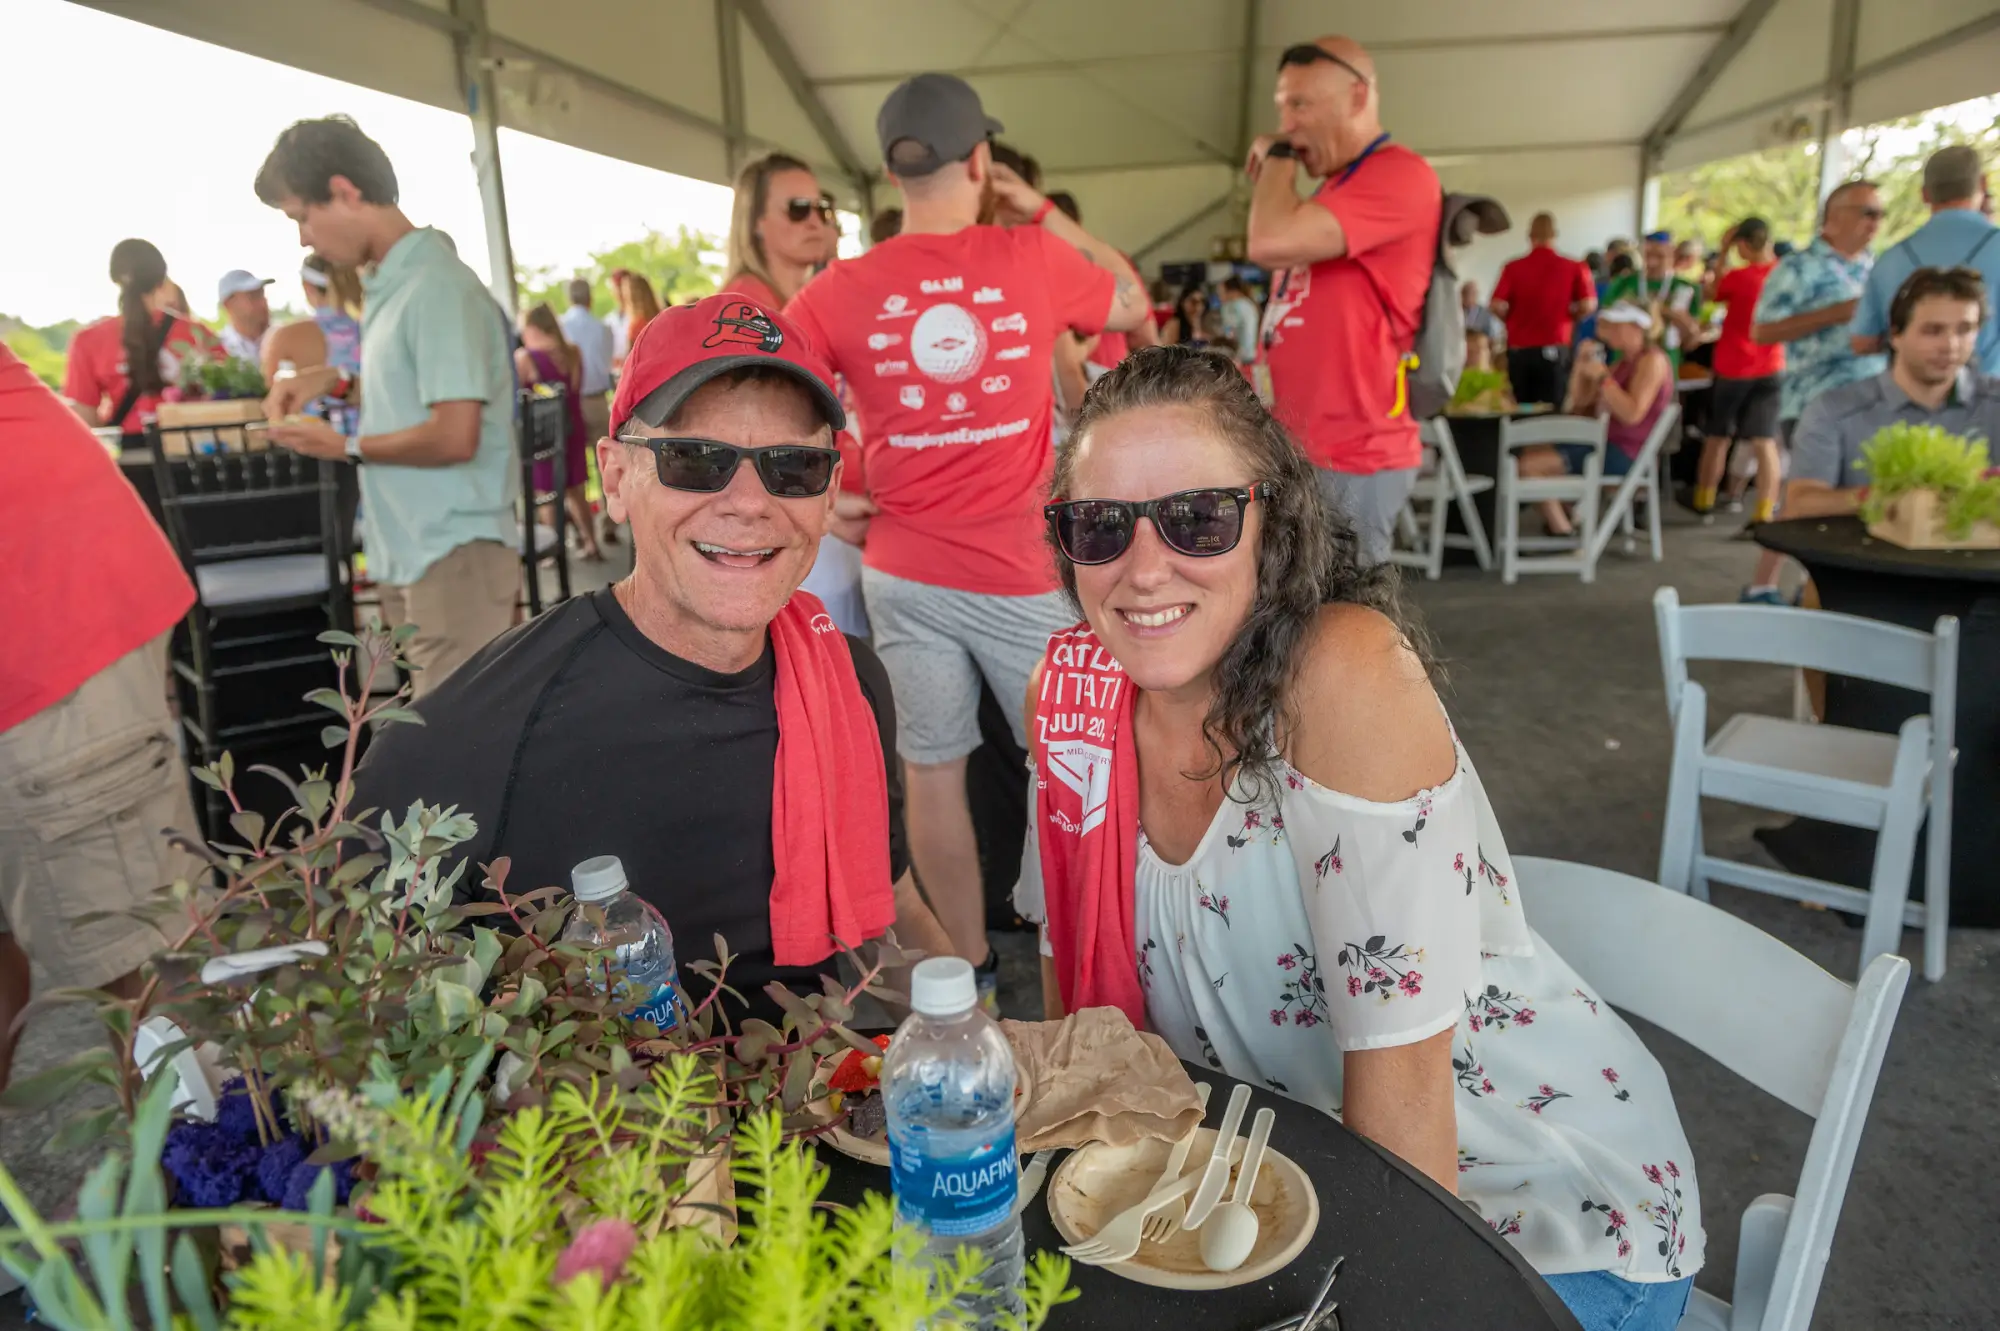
(1839, 109)
(729, 56)
(472, 46)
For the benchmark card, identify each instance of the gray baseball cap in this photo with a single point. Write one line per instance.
(941, 115)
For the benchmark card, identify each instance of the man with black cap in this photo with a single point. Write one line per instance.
(701, 719)
(945, 333)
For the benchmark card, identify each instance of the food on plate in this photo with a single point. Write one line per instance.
(858, 1079)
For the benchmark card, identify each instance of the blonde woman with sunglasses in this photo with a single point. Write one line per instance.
(781, 232)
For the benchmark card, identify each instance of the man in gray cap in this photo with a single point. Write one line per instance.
(247, 313)
(946, 333)
(1957, 236)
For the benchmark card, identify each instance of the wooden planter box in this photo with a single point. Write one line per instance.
(1915, 521)
(240, 427)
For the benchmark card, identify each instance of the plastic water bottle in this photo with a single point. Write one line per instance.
(640, 943)
(948, 1086)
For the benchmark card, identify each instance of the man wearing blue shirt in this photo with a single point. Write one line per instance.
(1958, 235)
(437, 413)
(1806, 306)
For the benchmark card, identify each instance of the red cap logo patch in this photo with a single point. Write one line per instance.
(743, 323)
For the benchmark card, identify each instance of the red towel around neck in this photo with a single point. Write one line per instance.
(830, 796)
(1087, 822)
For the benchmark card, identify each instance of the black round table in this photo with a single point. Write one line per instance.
(1859, 575)
(1417, 1258)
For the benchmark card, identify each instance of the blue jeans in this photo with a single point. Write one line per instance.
(1605, 1302)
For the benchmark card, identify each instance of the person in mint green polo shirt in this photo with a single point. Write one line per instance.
(436, 431)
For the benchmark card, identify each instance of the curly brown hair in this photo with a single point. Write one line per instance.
(1307, 556)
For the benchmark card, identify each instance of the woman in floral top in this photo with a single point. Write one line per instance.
(1278, 822)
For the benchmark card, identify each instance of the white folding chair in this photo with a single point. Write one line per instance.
(1516, 490)
(1780, 1022)
(1857, 777)
(1644, 477)
(1441, 484)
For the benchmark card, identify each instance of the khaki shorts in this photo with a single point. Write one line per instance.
(87, 787)
(461, 603)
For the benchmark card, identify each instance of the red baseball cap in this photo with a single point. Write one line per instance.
(685, 346)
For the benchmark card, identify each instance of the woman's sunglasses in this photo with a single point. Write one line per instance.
(704, 466)
(1193, 522)
(798, 210)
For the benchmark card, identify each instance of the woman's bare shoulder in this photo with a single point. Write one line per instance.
(1365, 719)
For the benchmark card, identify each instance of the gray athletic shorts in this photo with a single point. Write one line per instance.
(936, 643)
(1370, 503)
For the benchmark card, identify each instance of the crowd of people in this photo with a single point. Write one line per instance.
(982, 457)
(1773, 327)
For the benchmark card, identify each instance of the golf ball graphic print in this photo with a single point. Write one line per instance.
(948, 344)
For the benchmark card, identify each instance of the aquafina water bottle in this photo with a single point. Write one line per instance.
(948, 1086)
(637, 937)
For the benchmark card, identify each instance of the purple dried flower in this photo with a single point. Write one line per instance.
(235, 1115)
(300, 1181)
(274, 1170)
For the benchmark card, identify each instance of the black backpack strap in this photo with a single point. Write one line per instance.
(153, 348)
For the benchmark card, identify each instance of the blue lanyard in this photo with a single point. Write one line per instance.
(1366, 153)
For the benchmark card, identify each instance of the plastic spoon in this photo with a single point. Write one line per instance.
(1231, 1231)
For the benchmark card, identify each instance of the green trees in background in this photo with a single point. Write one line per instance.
(42, 350)
(685, 265)
(1781, 185)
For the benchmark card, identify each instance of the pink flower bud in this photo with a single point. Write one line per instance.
(601, 1246)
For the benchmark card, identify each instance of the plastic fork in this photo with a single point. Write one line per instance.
(1164, 1223)
(1118, 1241)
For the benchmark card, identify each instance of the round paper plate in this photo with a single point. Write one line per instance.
(868, 1150)
(1098, 1181)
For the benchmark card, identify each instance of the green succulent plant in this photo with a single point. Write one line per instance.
(1902, 457)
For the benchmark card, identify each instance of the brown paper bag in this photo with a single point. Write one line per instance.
(1094, 1078)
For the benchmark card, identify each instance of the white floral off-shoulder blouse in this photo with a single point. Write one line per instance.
(1314, 923)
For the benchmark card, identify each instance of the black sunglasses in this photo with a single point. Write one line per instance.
(1306, 53)
(1193, 522)
(704, 466)
(798, 210)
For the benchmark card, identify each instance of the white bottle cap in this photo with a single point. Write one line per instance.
(598, 878)
(943, 986)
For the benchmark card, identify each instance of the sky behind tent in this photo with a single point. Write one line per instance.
(99, 155)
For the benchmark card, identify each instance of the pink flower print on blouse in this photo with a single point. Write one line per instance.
(1256, 829)
(1588, 1001)
(1498, 1009)
(1544, 1096)
(1303, 995)
(1214, 903)
(1327, 863)
(1459, 865)
(1507, 1225)
(1614, 1224)
(1146, 963)
(1619, 1092)
(1382, 969)
(1666, 1214)
(1423, 815)
(1493, 876)
(1471, 1074)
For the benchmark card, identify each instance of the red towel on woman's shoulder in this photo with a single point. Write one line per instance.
(829, 797)
(1087, 822)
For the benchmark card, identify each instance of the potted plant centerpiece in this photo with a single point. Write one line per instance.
(1929, 489)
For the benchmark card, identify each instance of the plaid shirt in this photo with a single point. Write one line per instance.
(1807, 280)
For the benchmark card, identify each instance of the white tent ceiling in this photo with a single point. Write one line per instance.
(1141, 107)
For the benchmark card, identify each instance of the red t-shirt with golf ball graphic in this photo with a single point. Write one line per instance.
(946, 342)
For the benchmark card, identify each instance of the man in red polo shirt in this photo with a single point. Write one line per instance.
(1350, 266)
(945, 334)
(89, 771)
(1541, 295)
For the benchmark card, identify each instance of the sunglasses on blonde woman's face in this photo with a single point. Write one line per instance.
(798, 210)
(1201, 523)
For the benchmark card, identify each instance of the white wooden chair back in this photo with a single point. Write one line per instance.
(1573, 553)
(1808, 639)
(1442, 483)
(1779, 1022)
(1644, 475)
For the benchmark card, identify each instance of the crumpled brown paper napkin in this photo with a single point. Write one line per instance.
(1092, 1077)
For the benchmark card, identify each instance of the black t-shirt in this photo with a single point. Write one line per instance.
(575, 735)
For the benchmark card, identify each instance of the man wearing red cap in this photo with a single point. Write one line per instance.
(1350, 267)
(701, 719)
(945, 333)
